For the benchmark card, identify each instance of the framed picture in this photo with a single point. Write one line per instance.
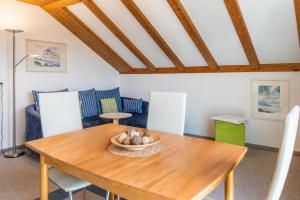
(51, 57)
(270, 99)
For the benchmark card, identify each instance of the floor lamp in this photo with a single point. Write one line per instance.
(14, 152)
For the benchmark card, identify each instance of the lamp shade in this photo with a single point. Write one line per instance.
(13, 30)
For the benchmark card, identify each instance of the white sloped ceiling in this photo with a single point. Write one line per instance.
(273, 29)
(166, 23)
(271, 25)
(134, 31)
(104, 33)
(214, 24)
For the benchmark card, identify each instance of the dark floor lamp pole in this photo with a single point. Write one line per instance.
(14, 152)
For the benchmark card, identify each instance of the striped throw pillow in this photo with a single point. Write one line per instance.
(132, 105)
(35, 95)
(88, 103)
(107, 94)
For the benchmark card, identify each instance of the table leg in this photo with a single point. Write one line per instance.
(112, 196)
(44, 178)
(115, 121)
(229, 186)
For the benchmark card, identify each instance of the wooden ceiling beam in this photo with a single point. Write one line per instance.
(223, 69)
(83, 36)
(297, 10)
(191, 29)
(146, 24)
(242, 31)
(37, 2)
(80, 30)
(98, 12)
(60, 4)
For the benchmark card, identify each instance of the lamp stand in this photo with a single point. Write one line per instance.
(14, 152)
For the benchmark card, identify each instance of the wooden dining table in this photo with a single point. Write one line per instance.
(185, 168)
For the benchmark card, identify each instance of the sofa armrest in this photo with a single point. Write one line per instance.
(33, 124)
(145, 104)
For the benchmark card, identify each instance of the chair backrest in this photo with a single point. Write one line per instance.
(285, 154)
(167, 112)
(60, 112)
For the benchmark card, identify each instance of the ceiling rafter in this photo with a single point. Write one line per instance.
(242, 31)
(223, 69)
(79, 29)
(86, 37)
(98, 12)
(190, 28)
(60, 4)
(141, 18)
(297, 10)
(37, 2)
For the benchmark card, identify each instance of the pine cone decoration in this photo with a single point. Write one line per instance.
(151, 139)
(146, 140)
(126, 141)
(122, 137)
(136, 140)
(133, 132)
(146, 133)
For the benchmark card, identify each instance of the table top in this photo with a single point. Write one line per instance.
(234, 119)
(116, 115)
(186, 167)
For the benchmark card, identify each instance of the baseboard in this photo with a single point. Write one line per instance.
(200, 136)
(249, 145)
(10, 148)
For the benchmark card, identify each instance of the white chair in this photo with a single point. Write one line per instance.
(60, 112)
(285, 154)
(167, 112)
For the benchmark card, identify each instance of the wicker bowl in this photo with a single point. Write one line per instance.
(114, 140)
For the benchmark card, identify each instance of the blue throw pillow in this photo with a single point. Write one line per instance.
(132, 105)
(88, 100)
(107, 94)
(35, 95)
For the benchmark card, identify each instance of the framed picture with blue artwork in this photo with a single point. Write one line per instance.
(52, 56)
(270, 99)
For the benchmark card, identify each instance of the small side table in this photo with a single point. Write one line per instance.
(116, 116)
(230, 129)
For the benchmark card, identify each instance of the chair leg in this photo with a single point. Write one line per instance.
(84, 193)
(70, 195)
(107, 195)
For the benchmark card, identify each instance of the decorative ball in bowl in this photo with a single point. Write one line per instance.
(135, 140)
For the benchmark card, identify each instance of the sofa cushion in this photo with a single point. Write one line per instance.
(105, 94)
(137, 120)
(94, 121)
(145, 104)
(36, 93)
(88, 103)
(132, 105)
(108, 105)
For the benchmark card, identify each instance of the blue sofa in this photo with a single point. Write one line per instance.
(34, 128)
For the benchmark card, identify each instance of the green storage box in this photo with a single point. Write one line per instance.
(230, 129)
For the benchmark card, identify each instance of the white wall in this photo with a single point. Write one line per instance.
(208, 94)
(214, 94)
(85, 68)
